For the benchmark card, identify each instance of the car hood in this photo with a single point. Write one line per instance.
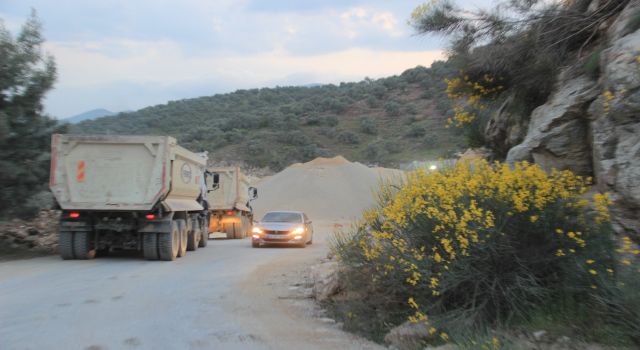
(278, 226)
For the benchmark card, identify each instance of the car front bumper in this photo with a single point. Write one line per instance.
(284, 240)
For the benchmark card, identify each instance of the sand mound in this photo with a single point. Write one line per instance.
(324, 188)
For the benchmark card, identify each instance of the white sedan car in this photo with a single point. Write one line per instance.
(283, 227)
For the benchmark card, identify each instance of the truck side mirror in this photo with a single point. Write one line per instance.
(253, 193)
(216, 182)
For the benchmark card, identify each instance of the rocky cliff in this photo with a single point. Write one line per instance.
(589, 125)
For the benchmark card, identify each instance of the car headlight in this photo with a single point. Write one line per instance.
(298, 231)
(256, 230)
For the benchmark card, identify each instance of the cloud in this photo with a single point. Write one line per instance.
(359, 20)
(89, 65)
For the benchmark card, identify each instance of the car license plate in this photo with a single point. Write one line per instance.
(277, 236)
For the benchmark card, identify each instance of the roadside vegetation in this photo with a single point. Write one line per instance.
(513, 52)
(386, 121)
(26, 75)
(478, 252)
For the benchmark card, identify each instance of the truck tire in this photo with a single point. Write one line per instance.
(150, 246)
(204, 231)
(83, 246)
(182, 247)
(230, 230)
(65, 245)
(241, 232)
(168, 243)
(194, 236)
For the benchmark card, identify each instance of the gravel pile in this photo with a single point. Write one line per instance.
(324, 188)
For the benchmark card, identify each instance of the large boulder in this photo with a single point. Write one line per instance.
(558, 133)
(615, 125)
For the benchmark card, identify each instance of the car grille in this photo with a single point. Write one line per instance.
(270, 232)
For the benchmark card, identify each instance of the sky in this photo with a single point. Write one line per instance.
(124, 55)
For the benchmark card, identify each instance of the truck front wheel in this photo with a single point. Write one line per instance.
(169, 243)
(204, 231)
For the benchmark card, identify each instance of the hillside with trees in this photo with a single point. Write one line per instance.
(385, 121)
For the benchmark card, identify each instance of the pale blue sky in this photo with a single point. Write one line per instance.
(128, 54)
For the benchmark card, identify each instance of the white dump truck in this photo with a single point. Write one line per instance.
(229, 205)
(141, 193)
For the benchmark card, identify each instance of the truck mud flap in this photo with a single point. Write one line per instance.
(74, 226)
(155, 226)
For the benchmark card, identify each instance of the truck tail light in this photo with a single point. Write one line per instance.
(74, 215)
(229, 213)
(150, 216)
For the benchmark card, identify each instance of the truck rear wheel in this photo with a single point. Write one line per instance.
(182, 247)
(204, 231)
(230, 229)
(168, 243)
(240, 228)
(65, 245)
(150, 246)
(83, 246)
(193, 240)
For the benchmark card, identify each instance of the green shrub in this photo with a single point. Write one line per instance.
(392, 108)
(348, 137)
(416, 131)
(480, 246)
(592, 65)
(330, 120)
(374, 151)
(368, 126)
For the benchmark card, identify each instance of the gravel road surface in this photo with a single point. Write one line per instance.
(225, 296)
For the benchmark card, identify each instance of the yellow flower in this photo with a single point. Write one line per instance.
(444, 336)
(412, 303)
(593, 272)
(559, 252)
(590, 261)
(533, 218)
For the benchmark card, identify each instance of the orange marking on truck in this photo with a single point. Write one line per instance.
(80, 172)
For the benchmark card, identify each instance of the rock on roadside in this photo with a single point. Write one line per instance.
(409, 335)
(326, 282)
(24, 238)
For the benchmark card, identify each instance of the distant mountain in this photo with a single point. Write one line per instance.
(89, 115)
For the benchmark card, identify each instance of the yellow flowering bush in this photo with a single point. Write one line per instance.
(472, 100)
(477, 245)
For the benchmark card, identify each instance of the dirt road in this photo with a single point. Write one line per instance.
(225, 296)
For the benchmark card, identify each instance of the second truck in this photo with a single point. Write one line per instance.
(229, 205)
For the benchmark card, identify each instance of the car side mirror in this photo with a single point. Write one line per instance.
(253, 193)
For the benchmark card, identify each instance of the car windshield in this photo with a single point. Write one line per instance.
(282, 217)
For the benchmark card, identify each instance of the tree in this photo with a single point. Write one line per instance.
(26, 74)
(519, 44)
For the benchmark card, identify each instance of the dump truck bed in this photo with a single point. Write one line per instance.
(233, 192)
(105, 172)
